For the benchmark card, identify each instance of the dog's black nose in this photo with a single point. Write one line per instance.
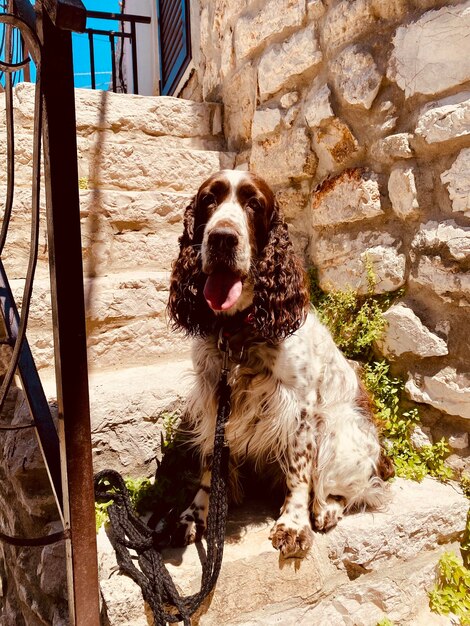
(222, 239)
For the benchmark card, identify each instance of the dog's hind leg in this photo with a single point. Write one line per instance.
(192, 521)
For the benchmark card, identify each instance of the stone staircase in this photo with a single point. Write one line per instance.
(140, 161)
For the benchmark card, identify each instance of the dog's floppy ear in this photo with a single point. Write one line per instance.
(281, 297)
(187, 307)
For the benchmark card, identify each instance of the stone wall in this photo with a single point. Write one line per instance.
(358, 114)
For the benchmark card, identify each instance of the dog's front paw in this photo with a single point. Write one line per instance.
(290, 538)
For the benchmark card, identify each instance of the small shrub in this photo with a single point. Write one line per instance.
(396, 426)
(101, 514)
(451, 594)
(465, 484)
(385, 622)
(354, 321)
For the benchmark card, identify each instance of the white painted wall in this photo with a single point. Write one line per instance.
(147, 49)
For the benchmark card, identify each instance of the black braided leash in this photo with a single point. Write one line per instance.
(130, 533)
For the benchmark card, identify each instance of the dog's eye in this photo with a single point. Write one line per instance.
(254, 204)
(208, 199)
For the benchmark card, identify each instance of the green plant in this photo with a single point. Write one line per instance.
(385, 622)
(101, 513)
(355, 321)
(143, 492)
(451, 593)
(465, 543)
(397, 425)
(465, 484)
(170, 422)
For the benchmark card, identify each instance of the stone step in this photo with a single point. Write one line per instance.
(128, 406)
(126, 320)
(153, 165)
(151, 116)
(121, 230)
(370, 566)
(107, 162)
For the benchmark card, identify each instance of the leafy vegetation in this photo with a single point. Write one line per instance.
(355, 321)
(397, 425)
(451, 594)
(143, 492)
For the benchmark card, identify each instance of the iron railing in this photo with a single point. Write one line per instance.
(116, 39)
(122, 35)
(46, 32)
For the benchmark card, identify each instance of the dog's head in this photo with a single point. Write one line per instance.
(236, 256)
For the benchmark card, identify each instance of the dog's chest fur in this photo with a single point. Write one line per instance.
(271, 389)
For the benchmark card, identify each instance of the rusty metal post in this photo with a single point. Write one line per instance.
(68, 309)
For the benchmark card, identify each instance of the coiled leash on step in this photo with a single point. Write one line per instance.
(130, 533)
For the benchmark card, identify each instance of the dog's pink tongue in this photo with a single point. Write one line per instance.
(222, 290)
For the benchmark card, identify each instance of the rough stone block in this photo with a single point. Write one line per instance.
(445, 119)
(357, 573)
(143, 167)
(265, 121)
(147, 115)
(342, 261)
(447, 282)
(448, 391)
(126, 317)
(283, 157)
(442, 510)
(346, 21)
(390, 9)
(272, 20)
(334, 144)
(392, 147)
(356, 76)
(289, 99)
(23, 158)
(445, 238)
(142, 249)
(432, 54)
(126, 407)
(402, 191)
(458, 441)
(240, 105)
(284, 63)
(150, 211)
(457, 180)
(351, 196)
(405, 333)
(315, 9)
(316, 106)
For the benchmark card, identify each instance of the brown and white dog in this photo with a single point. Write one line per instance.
(296, 402)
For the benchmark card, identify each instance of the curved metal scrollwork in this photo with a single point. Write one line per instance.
(49, 47)
(12, 21)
